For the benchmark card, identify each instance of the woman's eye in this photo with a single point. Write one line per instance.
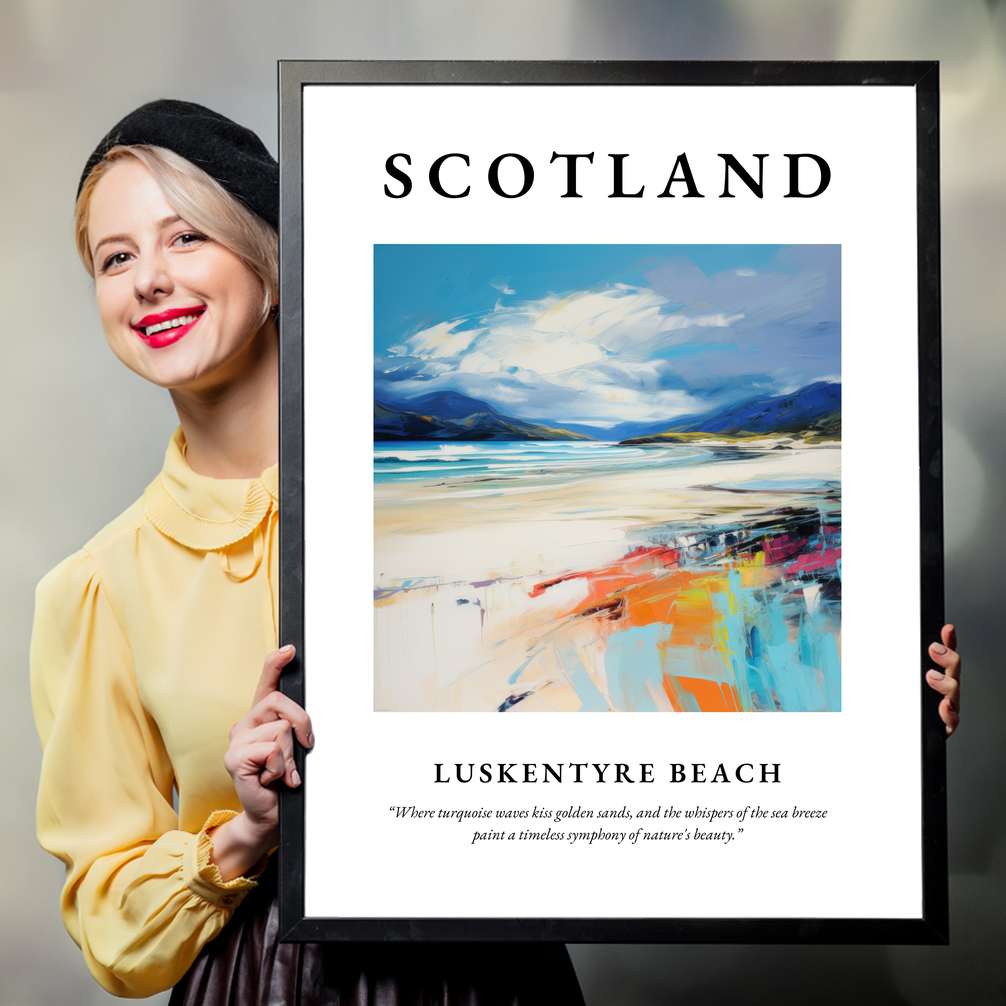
(190, 238)
(114, 261)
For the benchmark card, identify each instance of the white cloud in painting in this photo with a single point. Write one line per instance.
(579, 358)
(439, 342)
(507, 396)
(626, 353)
(477, 362)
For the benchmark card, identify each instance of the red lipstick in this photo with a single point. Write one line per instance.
(166, 327)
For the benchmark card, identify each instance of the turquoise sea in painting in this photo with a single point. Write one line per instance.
(498, 464)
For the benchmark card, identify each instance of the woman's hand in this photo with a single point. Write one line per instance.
(260, 753)
(948, 681)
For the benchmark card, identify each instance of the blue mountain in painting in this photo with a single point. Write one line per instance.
(816, 407)
(775, 413)
(451, 405)
(447, 415)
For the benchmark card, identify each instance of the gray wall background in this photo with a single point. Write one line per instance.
(82, 436)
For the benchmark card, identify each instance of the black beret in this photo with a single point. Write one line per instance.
(231, 154)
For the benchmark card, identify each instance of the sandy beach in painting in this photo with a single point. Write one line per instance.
(590, 577)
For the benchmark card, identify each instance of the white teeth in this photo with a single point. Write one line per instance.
(173, 323)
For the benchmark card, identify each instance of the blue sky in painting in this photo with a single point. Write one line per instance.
(598, 335)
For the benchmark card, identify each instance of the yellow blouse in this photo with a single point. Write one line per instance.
(147, 647)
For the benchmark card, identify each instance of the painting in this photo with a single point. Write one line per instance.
(607, 477)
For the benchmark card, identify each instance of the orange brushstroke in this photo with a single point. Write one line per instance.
(711, 696)
(639, 562)
(654, 600)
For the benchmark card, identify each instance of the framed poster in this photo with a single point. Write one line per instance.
(652, 356)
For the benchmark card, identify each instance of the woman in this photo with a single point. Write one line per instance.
(148, 643)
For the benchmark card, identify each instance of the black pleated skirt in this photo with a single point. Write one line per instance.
(246, 965)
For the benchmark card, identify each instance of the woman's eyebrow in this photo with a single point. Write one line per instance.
(160, 225)
(108, 240)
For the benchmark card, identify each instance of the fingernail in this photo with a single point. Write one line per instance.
(287, 649)
(310, 740)
(938, 648)
(295, 777)
(951, 706)
(936, 675)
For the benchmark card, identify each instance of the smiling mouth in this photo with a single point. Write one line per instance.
(167, 327)
(185, 319)
(167, 321)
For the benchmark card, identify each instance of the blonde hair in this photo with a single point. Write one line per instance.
(199, 200)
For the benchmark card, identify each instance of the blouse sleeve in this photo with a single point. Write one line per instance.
(141, 898)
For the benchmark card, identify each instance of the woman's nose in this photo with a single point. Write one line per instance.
(152, 277)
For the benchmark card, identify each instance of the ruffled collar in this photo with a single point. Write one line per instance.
(203, 513)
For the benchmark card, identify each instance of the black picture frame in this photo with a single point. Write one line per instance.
(932, 925)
